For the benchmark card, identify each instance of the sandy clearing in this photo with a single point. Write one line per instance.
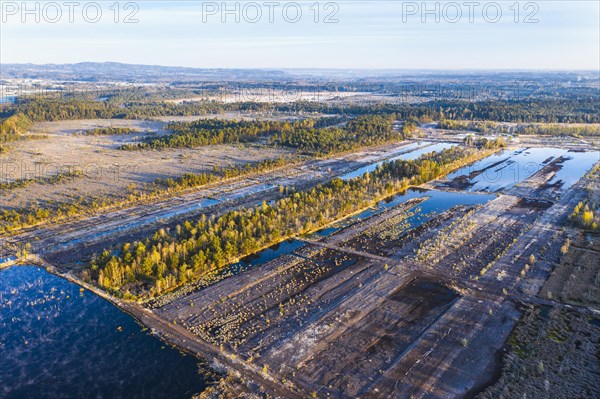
(108, 170)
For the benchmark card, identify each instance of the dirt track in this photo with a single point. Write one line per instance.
(68, 241)
(336, 321)
(420, 314)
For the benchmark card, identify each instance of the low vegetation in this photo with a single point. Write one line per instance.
(13, 220)
(54, 179)
(196, 248)
(550, 354)
(108, 131)
(13, 127)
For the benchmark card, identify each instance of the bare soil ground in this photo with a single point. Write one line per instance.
(107, 171)
(376, 310)
(576, 279)
(551, 354)
(373, 311)
(576, 275)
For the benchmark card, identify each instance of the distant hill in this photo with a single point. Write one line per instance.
(119, 72)
(114, 71)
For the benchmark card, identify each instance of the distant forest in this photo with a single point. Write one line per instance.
(547, 129)
(319, 136)
(567, 109)
(15, 119)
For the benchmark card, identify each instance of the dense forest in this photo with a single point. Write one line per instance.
(68, 108)
(365, 130)
(585, 109)
(201, 247)
(310, 136)
(214, 131)
(560, 130)
(566, 109)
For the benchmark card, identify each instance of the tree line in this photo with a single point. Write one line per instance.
(194, 180)
(586, 214)
(204, 246)
(80, 107)
(214, 131)
(14, 219)
(565, 109)
(570, 109)
(546, 129)
(482, 142)
(364, 130)
(14, 126)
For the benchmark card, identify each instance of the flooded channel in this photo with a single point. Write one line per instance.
(436, 202)
(507, 168)
(407, 153)
(576, 165)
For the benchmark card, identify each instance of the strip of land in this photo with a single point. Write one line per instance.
(368, 311)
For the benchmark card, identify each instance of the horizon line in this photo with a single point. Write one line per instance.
(225, 68)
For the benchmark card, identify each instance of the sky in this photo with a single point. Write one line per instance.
(351, 34)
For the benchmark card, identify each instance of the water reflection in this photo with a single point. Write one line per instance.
(58, 342)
